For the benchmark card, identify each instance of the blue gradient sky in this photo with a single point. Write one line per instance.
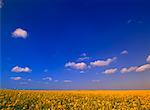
(62, 31)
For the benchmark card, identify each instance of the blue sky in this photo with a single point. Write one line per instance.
(75, 44)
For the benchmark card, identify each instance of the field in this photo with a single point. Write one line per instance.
(75, 100)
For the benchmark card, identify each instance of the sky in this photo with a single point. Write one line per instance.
(75, 44)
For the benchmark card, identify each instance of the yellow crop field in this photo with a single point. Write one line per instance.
(75, 100)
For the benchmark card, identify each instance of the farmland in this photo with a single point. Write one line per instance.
(75, 100)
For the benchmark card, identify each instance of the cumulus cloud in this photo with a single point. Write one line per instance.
(83, 58)
(83, 55)
(16, 78)
(78, 66)
(82, 71)
(134, 21)
(124, 52)
(129, 21)
(47, 78)
(1, 3)
(110, 71)
(55, 80)
(100, 63)
(29, 79)
(23, 83)
(89, 67)
(20, 33)
(67, 81)
(95, 80)
(130, 69)
(143, 68)
(148, 59)
(18, 69)
(45, 70)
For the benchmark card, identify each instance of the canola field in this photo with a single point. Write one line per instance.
(75, 100)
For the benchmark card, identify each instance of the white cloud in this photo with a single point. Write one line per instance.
(45, 70)
(95, 80)
(18, 69)
(82, 71)
(148, 59)
(130, 69)
(55, 80)
(143, 68)
(16, 78)
(79, 66)
(29, 79)
(1, 3)
(89, 67)
(110, 71)
(124, 52)
(100, 63)
(20, 33)
(47, 78)
(83, 55)
(23, 83)
(67, 81)
(129, 21)
(83, 58)
(134, 21)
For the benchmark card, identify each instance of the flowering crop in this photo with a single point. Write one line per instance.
(75, 100)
